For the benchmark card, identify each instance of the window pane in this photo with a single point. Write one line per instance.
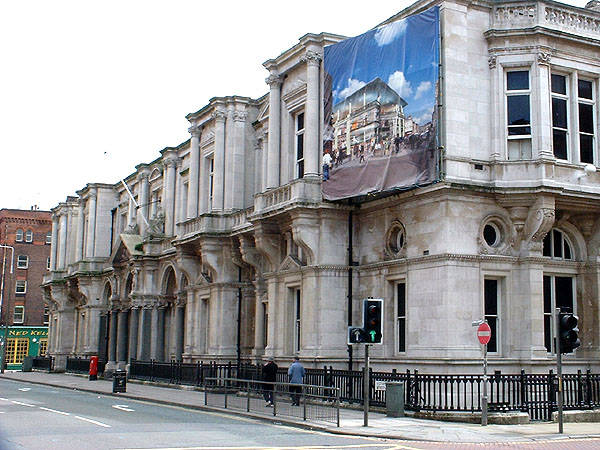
(586, 118)
(557, 238)
(518, 110)
(300, 146)
(559, 112)
(559, 142)
(564, 292)
(559, 84)
(401, 335)
(584, 89)
(547, 245)
(401, 299)
(493, 344)
(300, 122)
(568, 254)
(547, 294)
(517, 80)
(300, 169)
(547, 337)
(519, 131)
(586, 148)
(491, 297)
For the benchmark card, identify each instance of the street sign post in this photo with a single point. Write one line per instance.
(484, 334)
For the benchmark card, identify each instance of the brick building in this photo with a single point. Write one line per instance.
(29, 233)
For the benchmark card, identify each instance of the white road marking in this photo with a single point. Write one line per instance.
(21, 403)
(123, 407)
(24, 389)
(93, 421)
(55, 411)
(5, 399)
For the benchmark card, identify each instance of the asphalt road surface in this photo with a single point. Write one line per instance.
(41, 417)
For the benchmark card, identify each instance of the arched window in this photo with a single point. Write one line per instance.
(29, 236)
(557, 245)
(19, 235)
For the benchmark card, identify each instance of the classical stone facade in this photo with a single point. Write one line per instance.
(222, 251)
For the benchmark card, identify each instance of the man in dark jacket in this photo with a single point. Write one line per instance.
(269, 374)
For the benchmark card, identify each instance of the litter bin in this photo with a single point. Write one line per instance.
(394, 399)
(27, 364)
(119, 381)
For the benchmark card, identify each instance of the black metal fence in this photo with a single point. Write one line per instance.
(82, 365)
(531, 393)
(42, 363)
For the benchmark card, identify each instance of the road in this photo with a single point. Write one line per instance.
(41, 417)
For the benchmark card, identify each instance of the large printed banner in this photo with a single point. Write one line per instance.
(381, 109)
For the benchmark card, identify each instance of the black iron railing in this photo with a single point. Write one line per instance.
(82, 365)
(531, 393)
(42, 363)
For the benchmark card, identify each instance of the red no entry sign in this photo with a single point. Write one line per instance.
(484, 333)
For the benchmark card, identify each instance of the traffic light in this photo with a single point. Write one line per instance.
(356, 335)
(567, 332)
(373, 320)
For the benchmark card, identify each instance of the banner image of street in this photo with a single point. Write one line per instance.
(381, 93)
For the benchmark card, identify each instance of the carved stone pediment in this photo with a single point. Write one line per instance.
(290, 263)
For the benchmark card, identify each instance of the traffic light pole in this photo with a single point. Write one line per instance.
(366, 388)
(559, 399)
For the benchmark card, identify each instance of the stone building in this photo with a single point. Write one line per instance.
(226, 249)
(25, 235)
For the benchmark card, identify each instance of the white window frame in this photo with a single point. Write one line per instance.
(48, 263)
(46, 315)
(211, 179)
(567, 99)
(21, 284)
(49, 237)
(21, 308)
(22, 263)
(299, 136)
(19, 235)
(592, 103)
(497, 317)
(521, 138)
(552, 313)
(29, 236)
(564, 239)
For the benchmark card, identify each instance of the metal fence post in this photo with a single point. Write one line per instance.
(304, 401)
(205, 394)
(226, 394)
(337, 405)
(248, 402)
(523, 381)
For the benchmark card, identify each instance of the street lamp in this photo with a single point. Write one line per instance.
(5, 342)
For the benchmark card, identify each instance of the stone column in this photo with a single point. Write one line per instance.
(219, 161)
(170, 164)
(160, 333)
(259, 322)
(194, 175)
(93, 330)
(112, 340)
(62, 252)
(134, 325)
(122, 336)
(145, 334)
(55, 243)
(91, 226)
(144, 197)
(541, 124)
(80, 231)
(273, 153)
(179, 330)
(312, 115)
(190, 322)
(180, 200)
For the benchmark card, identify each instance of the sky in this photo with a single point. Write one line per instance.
(90, 89)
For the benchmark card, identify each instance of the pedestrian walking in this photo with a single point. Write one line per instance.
(296, 376)
(269, 374)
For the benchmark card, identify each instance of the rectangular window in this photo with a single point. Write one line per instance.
(46, 315)
(19, 235)
(297, 321)
(265, 312)
(518, 115)
(21, 287)
(300, 145)
(211, 177)
(22, 262)
(19, 314)
(49, 237)
(43, 348)
(560, 129)
(491, 294)
(558, 292)
(16, 350)
(586, 106)
(401, 315)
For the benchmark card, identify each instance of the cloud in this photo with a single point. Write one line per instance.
(425, 117)
(422, 88)
(389, 33)
(398, 83)
(351, 88)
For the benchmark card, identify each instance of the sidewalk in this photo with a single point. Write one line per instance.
(351, 420)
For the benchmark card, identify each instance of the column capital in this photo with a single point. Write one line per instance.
(219, 115)
(311, 58)
(492, 61)
(544, 57)
(171, 161)
(274, 80)
(195, 131)
(240, 116)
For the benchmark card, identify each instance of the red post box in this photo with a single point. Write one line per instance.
(93, 368)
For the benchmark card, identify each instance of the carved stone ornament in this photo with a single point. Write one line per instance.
(132, 228)
(157, 225)
(240, 116)
(544, 217)
(544, 57)
(195, 130)
(274, 80)
(219, 115)
(492, 60)
(311, 58)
